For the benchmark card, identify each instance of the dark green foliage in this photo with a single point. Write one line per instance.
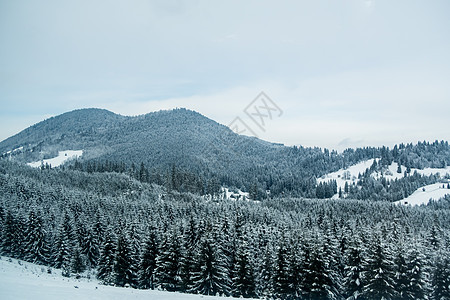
(77, 264)
(353, 279)
(282, 247)
(168, 271)
(210, 275)
(123, 273)
(440, 279)
(379, 274)
(107, 259)
(147, 267)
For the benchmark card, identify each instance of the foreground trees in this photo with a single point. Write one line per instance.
(130, 233)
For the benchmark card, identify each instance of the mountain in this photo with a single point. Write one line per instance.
(201, 147)
(181, 137)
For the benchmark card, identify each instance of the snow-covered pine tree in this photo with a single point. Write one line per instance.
(210, 276)
(123, 274)
(353, 279)
(90, 248)
(12, 236)
(401, 278)
(378, 274)
(36, 246)
(322, 285)
(264, 278)
(281, 273)
(440, 277)
(244, 279)
(147, 266)
(77, 264)
(106, 260)
(61, 248)
(417, 285)
(168, 270)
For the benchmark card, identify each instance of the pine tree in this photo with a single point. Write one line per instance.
(62, 248)
(210, 276)
(168, 270)
(106, 260)
(243, 280)
(11, 236)
(36, 247)
(321, 282)
(147, 266)
(353, 280)
(401, 281)
(440, 279)
(281, 277)
(417, 287)
(90, 248)
(123, 274)
(378, 275)
(77, 264)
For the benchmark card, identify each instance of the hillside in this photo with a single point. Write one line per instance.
(196, 152)
(23, 280)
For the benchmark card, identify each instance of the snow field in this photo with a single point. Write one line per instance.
(62, 157)
(22, 280)
(424, 194)
(350, 175)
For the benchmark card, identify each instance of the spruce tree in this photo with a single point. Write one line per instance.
(243, 280)
(210, 276)
(417, 287)
(123, 274)
(379, 274)
(281, 277)
(106, 260)
(353, 279)
(168, 270)
(36, 247)
(440, 279)
(147, 266)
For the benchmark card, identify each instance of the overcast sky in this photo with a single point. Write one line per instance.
(344, 73)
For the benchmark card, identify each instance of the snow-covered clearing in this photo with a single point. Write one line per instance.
(349, 175)
(14, 150)
(424, 194)
(391, 173)
(235, 195)
(22, 280)
(62, 157)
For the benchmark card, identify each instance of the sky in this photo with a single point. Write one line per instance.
(342, 73)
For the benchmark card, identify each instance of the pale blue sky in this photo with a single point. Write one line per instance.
(345, 73)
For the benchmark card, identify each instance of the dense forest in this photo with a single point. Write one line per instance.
(129, 232)
(204, 150)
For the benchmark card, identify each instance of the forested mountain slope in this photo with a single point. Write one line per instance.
(202, 149)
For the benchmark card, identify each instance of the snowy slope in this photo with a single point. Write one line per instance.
(348, 175)
(21, 280)
(62, 157)
(391, 172)
(424, 194)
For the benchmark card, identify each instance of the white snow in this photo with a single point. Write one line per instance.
(62, 157)
(22, 280)
(14, 150)
(349, 175)
(424, 194)
(238, 195)
(391, 172)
